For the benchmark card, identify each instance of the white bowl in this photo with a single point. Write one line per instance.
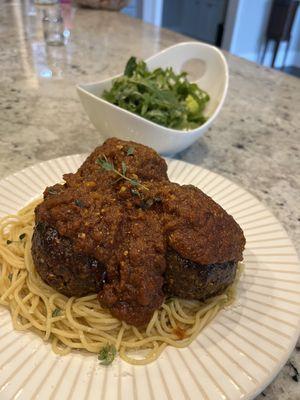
(113, 121)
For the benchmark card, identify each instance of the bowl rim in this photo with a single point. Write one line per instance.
(191, 132)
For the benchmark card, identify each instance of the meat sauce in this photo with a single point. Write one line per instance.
(123, 216)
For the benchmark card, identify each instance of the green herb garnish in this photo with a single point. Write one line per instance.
(130, 66)
(22, 236)
(160, 96)
(107, 354)
(56, 312)
(105, 164)
(124, 168)
(109, 166)
(10, 275)
(130, 151)
(135, 182)
(78, 203)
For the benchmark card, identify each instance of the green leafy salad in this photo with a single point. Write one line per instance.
(160, 96)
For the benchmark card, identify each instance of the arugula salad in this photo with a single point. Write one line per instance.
(160, 96)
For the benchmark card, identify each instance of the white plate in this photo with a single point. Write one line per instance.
(235, 357)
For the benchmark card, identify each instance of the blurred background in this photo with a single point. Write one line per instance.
(263, 31)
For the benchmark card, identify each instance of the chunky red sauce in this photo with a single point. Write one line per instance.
(129, 224)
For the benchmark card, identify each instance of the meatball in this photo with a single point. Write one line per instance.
(188, 280)
(70, 273)
(119, 228)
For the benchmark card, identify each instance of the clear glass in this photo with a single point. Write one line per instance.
(53, 27)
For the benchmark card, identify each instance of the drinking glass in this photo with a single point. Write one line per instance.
(53, 27)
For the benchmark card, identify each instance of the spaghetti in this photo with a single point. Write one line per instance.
(82, 323)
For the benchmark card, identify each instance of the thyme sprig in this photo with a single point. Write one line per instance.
(109, 166)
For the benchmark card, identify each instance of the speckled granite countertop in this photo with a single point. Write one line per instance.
(255, 141)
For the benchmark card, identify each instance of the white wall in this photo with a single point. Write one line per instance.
(247, 38)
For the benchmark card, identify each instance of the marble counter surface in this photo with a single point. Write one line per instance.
(255, 142)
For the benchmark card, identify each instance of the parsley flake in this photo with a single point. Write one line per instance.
(130, 151)
(107, 354)
(56, 312)
(78, 203)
